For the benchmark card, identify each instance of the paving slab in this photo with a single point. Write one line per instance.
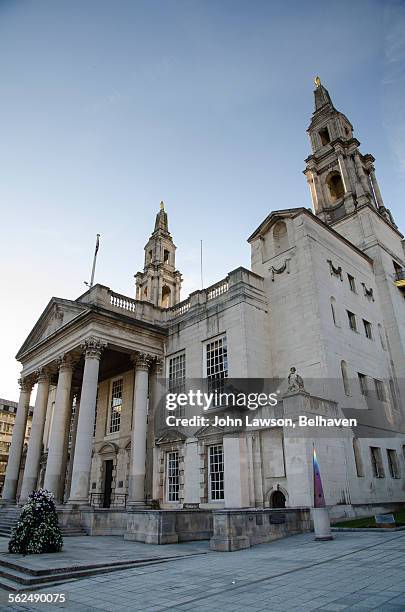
(353, 572)
(80, 551)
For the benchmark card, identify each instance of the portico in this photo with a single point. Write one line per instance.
(69, 362)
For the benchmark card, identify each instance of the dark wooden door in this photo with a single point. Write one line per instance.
(108, 469)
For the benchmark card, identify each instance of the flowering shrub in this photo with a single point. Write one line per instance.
(37, 529)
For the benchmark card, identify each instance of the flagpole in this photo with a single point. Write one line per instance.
(201, 264)
(94, 260)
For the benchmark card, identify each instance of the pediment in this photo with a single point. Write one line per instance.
(109, 448)
(209, 430)
(273, 217)
(170, 435)
(57, 314)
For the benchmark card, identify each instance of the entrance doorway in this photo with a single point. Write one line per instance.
(277, 500)
(108, 470)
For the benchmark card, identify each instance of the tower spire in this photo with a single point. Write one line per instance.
(340, 178)
(160, 282)
(321, 95)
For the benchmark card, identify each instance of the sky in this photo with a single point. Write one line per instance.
(108, 107)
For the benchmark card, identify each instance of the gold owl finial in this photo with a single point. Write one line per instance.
(317, 81)
(162, 205)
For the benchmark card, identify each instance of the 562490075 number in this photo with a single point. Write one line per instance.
(42, 598)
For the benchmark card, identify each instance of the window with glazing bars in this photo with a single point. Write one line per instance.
(116, 405)
(216, 472)
(177, 373)
(172, 476)
(217, 363)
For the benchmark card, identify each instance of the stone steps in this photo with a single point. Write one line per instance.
(16, 577)
(10, 516)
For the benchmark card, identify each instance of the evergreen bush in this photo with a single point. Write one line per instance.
(37, 530)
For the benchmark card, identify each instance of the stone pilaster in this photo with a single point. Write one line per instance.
(157, 389)
(32, 463)
(17, 442)
(79, 491)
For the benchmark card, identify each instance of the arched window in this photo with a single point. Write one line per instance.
(334, 311)
(165, 303)
(324, 136)
(336, 187)
(357, 457)
(345, 377)
(280, 236)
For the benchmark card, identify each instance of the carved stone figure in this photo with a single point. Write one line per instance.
(295, 382)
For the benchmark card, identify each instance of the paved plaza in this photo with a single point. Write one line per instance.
(356, 571)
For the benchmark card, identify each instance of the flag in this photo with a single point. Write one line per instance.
(97, 244)
(319, 498)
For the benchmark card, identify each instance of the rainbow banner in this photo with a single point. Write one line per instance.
(319, 498)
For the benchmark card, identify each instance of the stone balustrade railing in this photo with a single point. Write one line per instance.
(180, 308)
(99, 295)
(218, 289)
(122, 301)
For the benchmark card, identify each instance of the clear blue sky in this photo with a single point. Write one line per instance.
(107, 107)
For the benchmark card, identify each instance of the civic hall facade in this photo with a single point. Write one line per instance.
(325, 294)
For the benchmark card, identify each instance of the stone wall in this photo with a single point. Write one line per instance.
(237, 529)
(168, 526)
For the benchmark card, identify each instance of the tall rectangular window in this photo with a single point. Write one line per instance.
(379, 389)
(352, 320)
(177, 373)
(216, 472)
(393, 464)
(116, 405)
(376, 462)
(216, 363)
(363, 383)
(352, 283)
(172, 476)
(367, 329)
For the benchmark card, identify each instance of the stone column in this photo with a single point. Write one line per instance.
(60, 422)
(376, 188)
(17, 442)
(79, 490)
(365, 189)
(34, 451)
(343, 172)
(72, 447)
(139, 431)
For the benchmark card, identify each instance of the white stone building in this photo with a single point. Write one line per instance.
(325, 294)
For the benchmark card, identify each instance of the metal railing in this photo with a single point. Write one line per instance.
(115, 500)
